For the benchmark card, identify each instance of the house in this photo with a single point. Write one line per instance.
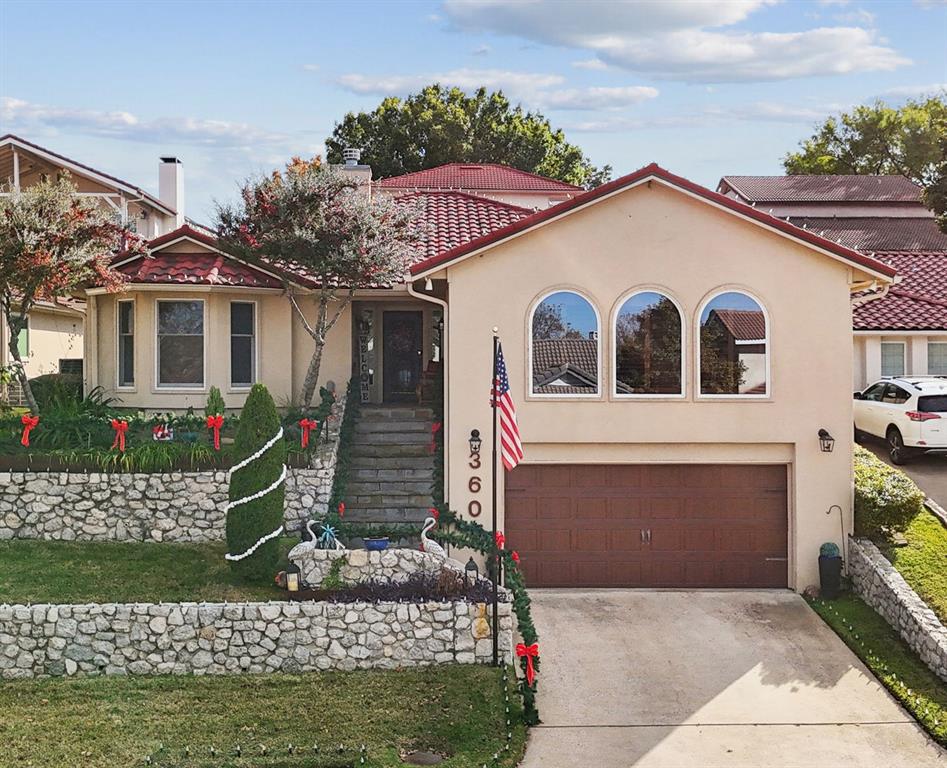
(53, 340)
(655, 338)
(899, 329)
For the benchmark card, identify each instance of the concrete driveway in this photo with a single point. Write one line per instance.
(928, 470)
(707, 678)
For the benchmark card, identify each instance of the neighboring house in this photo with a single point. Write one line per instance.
(53, 339)
(565, 365)
(742, 334)
(899, 329)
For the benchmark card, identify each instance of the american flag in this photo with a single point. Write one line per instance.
(511, 449)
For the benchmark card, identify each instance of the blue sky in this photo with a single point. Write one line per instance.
(705, 89)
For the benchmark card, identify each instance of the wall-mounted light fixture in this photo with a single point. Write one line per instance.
(475, 441)
(826, 441)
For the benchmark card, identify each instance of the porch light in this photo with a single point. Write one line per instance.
(471, 573)
(826, 441)
(428, 285)
(475, 441)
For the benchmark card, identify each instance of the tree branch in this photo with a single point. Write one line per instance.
(300, 315)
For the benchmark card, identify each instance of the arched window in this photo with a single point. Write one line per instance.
(564, 346)
(649, 346)
(734, 346)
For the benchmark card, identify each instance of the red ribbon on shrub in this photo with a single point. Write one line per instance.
(28, 422)
(306, 425)
(500, 539)
(120, 427)
(515, 557)
(215, 423)
(341, 509)
(435, 428)
(530, 652)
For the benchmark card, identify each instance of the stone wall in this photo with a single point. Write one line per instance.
(394, 564)
(171, 506)
(880, 585)
(237, 638)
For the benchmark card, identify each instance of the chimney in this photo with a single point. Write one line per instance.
(351, 157)
(171, 187)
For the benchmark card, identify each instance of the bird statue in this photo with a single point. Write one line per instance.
(429, 545)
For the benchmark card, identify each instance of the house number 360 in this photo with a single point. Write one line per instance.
(474, 484)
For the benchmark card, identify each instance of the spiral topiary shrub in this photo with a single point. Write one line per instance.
(249, 522)
(886, 499)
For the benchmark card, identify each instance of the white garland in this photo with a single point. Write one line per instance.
(259, 494)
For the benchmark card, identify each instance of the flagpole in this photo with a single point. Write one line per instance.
(496, 570)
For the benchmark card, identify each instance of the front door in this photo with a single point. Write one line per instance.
(401, 334)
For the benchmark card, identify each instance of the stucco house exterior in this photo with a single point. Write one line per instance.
(899, 329)
(655, 455)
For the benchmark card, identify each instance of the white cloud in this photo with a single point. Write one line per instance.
(681, 41)
(596, 98)
(596, 64)
(311, 67)
(480, 50)
(914, 91)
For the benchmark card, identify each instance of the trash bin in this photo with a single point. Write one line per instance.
(830, 570)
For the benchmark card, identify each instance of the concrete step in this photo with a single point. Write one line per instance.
(391, 425)
(380, 463)
(374, 412)
(392, 450)
(397, 438)
(415, 488)
(385, 499)
(368, 474)
(387, 515)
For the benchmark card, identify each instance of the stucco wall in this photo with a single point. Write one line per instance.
(654, 237)
(53, 335)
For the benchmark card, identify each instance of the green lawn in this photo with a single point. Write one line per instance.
(82, 572)
(923, 562)
(108, 722)
(918, 689)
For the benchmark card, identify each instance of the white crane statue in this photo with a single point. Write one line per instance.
(429, 545)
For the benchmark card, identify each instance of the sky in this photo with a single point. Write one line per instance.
(236, 88)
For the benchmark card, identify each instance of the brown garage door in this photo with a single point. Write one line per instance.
(641, 525)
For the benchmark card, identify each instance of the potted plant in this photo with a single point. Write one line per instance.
(830, 570)
(376, 543)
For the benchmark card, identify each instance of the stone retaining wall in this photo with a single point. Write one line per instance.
(237, 638)
(880, 585)
(171, 506)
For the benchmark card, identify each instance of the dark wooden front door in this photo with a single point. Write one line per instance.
(647, 525)
(401, 334)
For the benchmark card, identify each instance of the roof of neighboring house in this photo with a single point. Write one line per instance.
(828, 188)
(656, 172)
(477, 176)
(10, 138)
(455, 218)
(917, 302)
(869, 234)
(575, 359)
(743, 324)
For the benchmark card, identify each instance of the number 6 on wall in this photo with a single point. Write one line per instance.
(473, 485)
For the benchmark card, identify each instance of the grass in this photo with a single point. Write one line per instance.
(923, 562)
(83, 572)
(107, 722)
(908, 679)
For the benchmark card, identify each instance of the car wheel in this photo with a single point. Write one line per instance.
(896, 449)
(859, 435)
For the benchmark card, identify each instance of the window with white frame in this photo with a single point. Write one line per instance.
(242, 344)
(180, 343)
(892, 358)
(564, 346)
(937, 358)
(649, 346)
(734, 346)
(126, 343)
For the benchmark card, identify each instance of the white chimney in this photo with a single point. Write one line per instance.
(171, 187)
(351, 158)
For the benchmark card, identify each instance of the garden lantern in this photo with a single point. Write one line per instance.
(292, 577)
(472, 573)
(826, 441)
(475, 441)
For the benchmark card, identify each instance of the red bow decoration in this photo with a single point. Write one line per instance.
(500, 539)
(435, 428)
(120, 427)
(530, 652)
(435, 513)
(341, 509)
(28, 422)
(305, 425)
(515, 557)
(215, 423)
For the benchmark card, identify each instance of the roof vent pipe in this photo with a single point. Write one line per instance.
(351, 155)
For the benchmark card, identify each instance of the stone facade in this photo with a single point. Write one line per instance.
(172, 506)
(237, 638)
(880, 585)
(395, 564)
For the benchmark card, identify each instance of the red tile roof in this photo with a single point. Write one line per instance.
(477, 176)
(743, 324)
(918, 302)
(814, 188)
(869, 234)
(201, 268)
(652, 171)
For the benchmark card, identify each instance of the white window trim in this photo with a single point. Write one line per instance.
(231, 387)
(186, 388)
(904, 362)
(613, 329)
(530, 395)
(118, 346)
(768, 395)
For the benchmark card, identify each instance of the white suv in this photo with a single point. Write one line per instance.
(908, 412)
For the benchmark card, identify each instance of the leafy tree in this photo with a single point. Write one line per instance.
(317, 221)
(445, 125)
(936, 194)
(878, 139)
(719, 373)
(249, 522)
(51, 243)
(649, 349)
(548, 323)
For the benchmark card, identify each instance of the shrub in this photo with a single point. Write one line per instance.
(886, 499)
(249, 522)
(56, 389)
(215, 403)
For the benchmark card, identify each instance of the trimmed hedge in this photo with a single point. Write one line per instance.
(249, 522)
(886, 499)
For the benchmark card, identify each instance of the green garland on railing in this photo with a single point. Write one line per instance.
(343, 456)
(437, 407)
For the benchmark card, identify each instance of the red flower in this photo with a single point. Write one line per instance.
(500, 539)
(515, 557)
